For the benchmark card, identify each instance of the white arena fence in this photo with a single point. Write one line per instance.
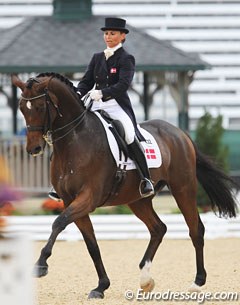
(121, 227)
(28, 173)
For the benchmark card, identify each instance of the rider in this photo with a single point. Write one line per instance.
(108, 77)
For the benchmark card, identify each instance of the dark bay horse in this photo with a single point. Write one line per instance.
(83, 172)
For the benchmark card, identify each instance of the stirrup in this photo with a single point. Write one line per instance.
(53, 195)
(149, 192)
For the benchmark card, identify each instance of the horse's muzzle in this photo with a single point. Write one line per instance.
(36, 151)
(35, 144)
(35, 147)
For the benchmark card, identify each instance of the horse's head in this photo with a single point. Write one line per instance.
(36, 106)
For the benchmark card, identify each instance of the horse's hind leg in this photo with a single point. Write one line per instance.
(85, 226)
(144, 211)
(186, 201)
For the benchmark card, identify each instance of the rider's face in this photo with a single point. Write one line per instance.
(113, 38)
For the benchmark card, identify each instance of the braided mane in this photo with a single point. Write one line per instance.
(60, 77)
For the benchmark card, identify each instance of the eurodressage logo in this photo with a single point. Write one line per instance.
(199, 297)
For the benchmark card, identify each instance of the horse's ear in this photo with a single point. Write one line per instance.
(17, 82)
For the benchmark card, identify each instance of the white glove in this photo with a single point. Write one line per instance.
(96, 95)
(79, 94)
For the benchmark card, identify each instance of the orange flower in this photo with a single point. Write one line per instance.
(6, 209)
(53, 206)
(3, 223)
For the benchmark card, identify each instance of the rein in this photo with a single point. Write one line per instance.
(78, 120)
(48, 136)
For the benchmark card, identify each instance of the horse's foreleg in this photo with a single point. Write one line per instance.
(85, 226)
(77, 209)
(60, 223)
(144, 211)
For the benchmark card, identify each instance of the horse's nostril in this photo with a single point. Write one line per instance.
(36, 150)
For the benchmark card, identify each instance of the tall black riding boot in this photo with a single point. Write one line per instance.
(146, 188)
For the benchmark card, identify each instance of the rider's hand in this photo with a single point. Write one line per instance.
(96, 95)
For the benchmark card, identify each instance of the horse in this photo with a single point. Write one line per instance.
(83, 172)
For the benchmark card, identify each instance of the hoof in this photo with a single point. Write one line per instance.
(40, 271)
(194, 288)
(148, 287)
(94, 294)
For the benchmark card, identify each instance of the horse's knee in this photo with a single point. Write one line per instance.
(163, 228)
(158, 231)
(60, 223)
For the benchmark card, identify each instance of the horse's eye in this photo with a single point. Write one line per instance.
(38, 106)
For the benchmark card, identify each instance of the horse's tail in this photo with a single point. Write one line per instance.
(218, 186)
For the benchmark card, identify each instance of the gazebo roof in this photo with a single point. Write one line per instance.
(42, 44)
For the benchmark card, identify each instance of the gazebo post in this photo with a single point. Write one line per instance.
(14, 109)
(146, 97)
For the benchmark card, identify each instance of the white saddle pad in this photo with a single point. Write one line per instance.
(152, 151)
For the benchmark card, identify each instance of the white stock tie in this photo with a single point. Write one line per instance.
(108, 53)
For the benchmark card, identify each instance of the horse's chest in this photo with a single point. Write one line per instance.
(64, 176)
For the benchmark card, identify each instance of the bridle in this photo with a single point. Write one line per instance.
(46, 129)
(48, 100)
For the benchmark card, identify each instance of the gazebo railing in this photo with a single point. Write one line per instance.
(27, 173)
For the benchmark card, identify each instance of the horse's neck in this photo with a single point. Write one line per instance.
(85, 135)
(78, 144)
(70, 107)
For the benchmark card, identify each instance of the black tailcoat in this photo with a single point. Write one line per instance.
(113, 77)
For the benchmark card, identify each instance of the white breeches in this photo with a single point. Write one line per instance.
(117, 113)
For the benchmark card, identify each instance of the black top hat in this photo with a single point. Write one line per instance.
(115, 24)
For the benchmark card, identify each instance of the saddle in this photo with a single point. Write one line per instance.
(118, 132)
(120, 152)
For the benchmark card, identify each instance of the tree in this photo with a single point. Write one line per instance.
(209, 134)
